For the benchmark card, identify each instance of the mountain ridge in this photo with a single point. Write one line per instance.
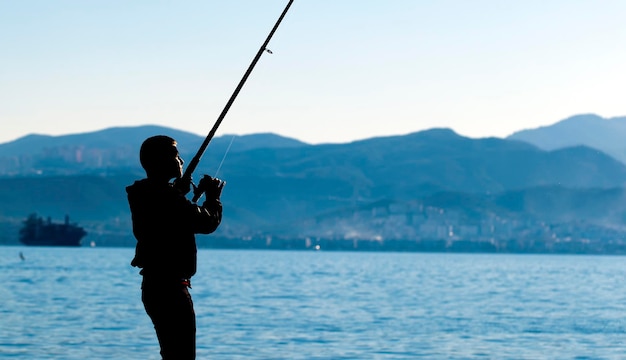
(604, 134)
(412, 186)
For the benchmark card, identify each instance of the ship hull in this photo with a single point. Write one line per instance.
(37, 232)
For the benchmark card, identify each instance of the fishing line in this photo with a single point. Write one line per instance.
(225, 153)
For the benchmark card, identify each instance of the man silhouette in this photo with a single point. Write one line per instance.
(165, 223)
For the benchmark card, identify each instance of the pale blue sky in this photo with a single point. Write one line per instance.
(342, 70)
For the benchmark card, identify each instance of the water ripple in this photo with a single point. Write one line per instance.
(85, 304)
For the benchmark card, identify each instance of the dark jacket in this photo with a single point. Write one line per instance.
(165, 223)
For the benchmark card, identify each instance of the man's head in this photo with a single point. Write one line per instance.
(159, 157)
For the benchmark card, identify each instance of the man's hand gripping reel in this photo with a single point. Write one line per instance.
(210, 186)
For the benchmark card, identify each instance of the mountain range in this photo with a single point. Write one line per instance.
(277, 186)
(607, 135)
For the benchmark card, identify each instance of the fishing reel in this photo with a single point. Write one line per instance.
(210, 186)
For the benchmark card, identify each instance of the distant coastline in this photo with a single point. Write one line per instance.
(421, 246)
(432, 190)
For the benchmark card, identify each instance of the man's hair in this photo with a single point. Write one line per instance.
(154, 150)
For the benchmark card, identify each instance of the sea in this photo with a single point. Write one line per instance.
(84, 303)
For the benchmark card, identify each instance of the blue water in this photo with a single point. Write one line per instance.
(84, 303)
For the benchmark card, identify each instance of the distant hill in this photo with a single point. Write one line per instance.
(282, 186)
(607, 135)
(432, 160)
(111, 138)
(114, 148)
(393, 166)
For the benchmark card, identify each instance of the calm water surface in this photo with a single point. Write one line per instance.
(84, 303)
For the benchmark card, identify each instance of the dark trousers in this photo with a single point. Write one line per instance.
(169, 305)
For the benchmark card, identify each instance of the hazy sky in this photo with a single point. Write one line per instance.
(341, 70)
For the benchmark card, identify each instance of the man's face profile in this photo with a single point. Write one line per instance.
(177, 163)
(160, 158)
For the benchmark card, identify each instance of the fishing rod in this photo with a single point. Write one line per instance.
(185, 182)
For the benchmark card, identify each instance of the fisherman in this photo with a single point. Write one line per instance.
(165, 223)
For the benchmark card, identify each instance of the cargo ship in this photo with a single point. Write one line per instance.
(37, 232)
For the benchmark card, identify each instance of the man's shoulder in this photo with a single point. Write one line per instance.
(137, 186)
